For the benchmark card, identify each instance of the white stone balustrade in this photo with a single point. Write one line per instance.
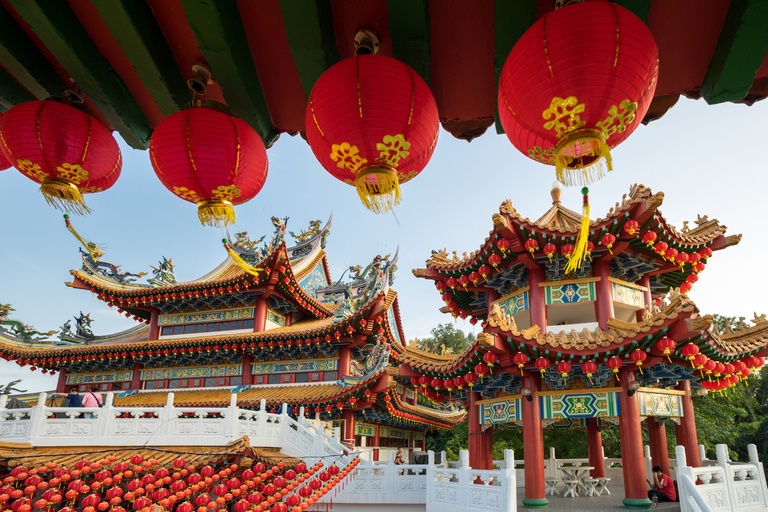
(724, 486)
(464, 488)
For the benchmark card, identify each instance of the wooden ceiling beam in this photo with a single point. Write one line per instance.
(740, 51)
(11, 92)
(59, 29)
(219, 32)
(136, 30)
(409, 31)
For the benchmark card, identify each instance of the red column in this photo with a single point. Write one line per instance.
(487, 442)
(537, 299)
(154, 327)
(657, 434)
(595, 447)
(247, 376)
(533, 444)
(632, 461)
(688, 427)
(260, 314)
(604, 292)
(376, 443)
(136, 376)
(348, 415)
(61, 384)
(345, 356)
(476, 453)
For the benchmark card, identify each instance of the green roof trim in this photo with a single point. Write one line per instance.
(740, 51)
(11, 93)
(57, 26)
(409, 31)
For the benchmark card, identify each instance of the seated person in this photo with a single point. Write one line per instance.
(662, 486)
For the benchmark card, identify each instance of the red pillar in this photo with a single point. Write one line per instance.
(688, 427)
(537, 298)
(136, 376)
(657, 434)
(247, 376)
(595, 447)
(604, 294)
(61, 384)
(487, 442)
(476, 453)
(632, 461)
(348, 415)
(345, 357)
(533, 444)
(376, 443)
(260, 314)
(154, 327)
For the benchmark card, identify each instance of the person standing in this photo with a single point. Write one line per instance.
(92, 399)
(662, 487)
(75, 399)
(399, 456)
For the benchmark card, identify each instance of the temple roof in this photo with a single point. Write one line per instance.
(34, 457)
(560, 223)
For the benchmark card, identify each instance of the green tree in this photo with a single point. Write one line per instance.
(719, 322)
(446, 339)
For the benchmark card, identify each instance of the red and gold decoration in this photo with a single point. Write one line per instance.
(372, 122)
(66, 151)
(639, 357)
(576, 85)
(208, 157)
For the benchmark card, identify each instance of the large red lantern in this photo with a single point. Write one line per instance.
(66, 151)
(542, 364)
(576, 84)
(208, 157)
(4, 163)
(372, 122)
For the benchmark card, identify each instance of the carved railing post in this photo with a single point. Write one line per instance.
(36, 419)
(444, 459)
(168, 416)
(462, 476)
(301, 419)
(509, 482)
(232, 418)
(753, 458)
(702, 453)
(648, 462)
(262, 429)
(105, 417)
(430, 458)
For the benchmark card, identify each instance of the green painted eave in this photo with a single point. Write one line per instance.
(409, 31)
(22, 59)
(312, 38)
(219, 32)
(511, 20)
(136, 30)
(740, 51)
(57, 26)
(11, 93)
(639, 8)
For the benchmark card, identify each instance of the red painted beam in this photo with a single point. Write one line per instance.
(349, 17)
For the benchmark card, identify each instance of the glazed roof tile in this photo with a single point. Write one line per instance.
(35, 457)
(748, 340)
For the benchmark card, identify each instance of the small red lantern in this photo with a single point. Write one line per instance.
(667, 346)
(631, 227)
(595, 67)
(564, 368)
(531, 245)
(470, 379)
(208, 157)
(550, 250)
(474, 277)
(566, 250)
(542, 364)
(503, 246)
(705, 253)
(614, 364)
(452, 282)
(459, 382)
(464, 281)
(639, 356)
(589, 368)
(671, 254)
(481, 371)
(494, 259)
(66, 151)
(448, 383)
(372, 121)
(685, 287)
(690, 351)
(608, 241)
(649, 238)
(436, 383)
(490, 359)
(682, 259)
(484, 270)
(520, 359)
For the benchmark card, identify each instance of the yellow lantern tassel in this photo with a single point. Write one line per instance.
(577, 256)
(378, 187)
(240, 261)
(582, 157)
(64, 196)
(215, 213)
(88, 248)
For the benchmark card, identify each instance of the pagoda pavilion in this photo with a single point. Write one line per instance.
(617, 341)
(268, 324)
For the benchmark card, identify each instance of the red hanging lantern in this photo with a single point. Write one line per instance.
(667, 346)
(531, 245)
(685, 287)
(690, 351)
(608, 241)
(520, 359)
(503, 246)
(631, 227)
(564, 368)
(494, 259)
(550, 250)
(576, 84)
(66, 151)
(638, 356)
(448, 383)
(436, 383)
(649, 238)
(542, 364)
(705, 253)
(208, 157)
(470, 379)
(474, 277)
(484, 270)
(464, 281)
(459, 382)
(372, 121)
(490, 359)
(614, 364)
(671, 255)
(481, 371)
(589, 368)
(4, 163)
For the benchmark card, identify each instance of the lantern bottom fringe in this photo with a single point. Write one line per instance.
(378, 188)
(582, 158)
(216, 214)
(64, 196)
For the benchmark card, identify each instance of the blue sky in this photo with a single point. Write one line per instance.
(707, 160)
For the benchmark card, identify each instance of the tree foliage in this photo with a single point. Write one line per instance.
(446, 339)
